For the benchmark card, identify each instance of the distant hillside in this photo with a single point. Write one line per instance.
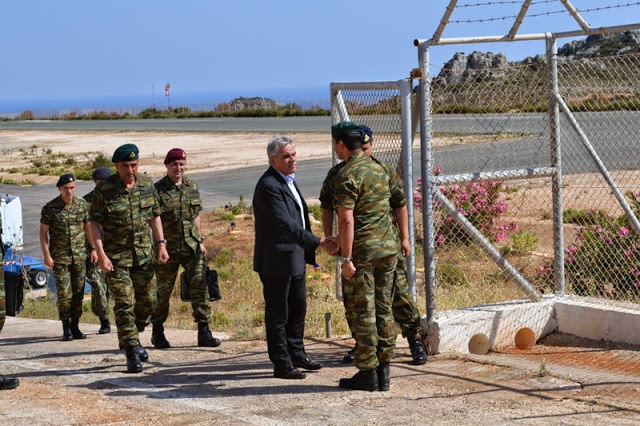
(463, 67)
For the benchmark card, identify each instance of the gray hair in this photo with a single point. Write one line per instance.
(277, 143)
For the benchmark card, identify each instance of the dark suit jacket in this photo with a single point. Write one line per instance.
(282, 245)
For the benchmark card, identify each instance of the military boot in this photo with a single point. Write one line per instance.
(383, 376)
(7, 383)
(133, 360)
(205, 338)
(418, 353)
(66, 330)
(157, 337)
(142, 352)
(75, 331)
(105, 326)
(362, 380)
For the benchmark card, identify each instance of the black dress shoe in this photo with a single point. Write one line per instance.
(290, 373)
(306, 363)
(362, 380)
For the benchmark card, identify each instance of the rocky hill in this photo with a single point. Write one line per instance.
(462, 67)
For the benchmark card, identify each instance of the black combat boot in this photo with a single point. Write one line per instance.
(105, 326)
(417, 350)
(7, 383)
(66, 330)
(75, 331)
(204, 336)
(349, 357)
(144, 356)
(362, 380)
(157, 337)
(383, 376)
(133, 360)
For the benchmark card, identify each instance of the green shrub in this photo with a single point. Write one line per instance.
(524, 243)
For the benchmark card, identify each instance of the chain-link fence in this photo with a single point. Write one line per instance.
(386, 108)
(535, 182)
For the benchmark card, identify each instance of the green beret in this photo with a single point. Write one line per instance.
(346, 128)
(126, 152)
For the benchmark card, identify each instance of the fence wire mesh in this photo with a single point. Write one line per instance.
(601, 244)
(491, 123)
(488, 126)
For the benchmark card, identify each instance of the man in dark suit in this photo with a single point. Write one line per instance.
(283, 244)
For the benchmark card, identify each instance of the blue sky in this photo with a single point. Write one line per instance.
(77, 49)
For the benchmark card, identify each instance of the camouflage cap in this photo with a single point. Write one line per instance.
(346, 128)
(126, 152)
(65, 179)
(368, 134)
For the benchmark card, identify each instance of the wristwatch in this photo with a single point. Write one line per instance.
(344, 259)
(162, 241)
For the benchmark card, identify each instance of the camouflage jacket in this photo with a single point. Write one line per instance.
(364, 186)
(88, 198)
(124, 215)
(66, 229)
(180, 205)
(328, 191)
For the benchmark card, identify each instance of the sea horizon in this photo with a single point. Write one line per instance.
(306, 97)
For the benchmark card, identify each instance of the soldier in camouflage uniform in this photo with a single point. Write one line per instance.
(63, 222)
(181, 205)
(5, 382)
(368, 246)
(405, 312)
(95, 275)
(122, 210)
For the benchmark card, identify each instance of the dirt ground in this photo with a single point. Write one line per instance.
(562, 380)
(206, 151)
(83, 382)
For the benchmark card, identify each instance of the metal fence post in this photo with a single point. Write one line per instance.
(426, 173)
(556, 163)
(407, 166)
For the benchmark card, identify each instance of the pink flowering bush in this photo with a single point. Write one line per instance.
(479, 202)
(604, 261)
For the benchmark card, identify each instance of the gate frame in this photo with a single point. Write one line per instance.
(340, 113)
(430, 192)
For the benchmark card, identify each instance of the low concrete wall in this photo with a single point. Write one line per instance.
(595, 320)
(483, 328)
(499, 323)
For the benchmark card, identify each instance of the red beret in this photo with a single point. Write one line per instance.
(175, 154)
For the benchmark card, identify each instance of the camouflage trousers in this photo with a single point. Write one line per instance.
(134, 292)
(69, 289)
(3, 300)
(195, 265)
(369, 299)
(404, 309)
(99, 292)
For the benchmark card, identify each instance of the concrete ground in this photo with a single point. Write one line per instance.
(84, 382)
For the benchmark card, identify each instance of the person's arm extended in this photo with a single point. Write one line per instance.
(327, 222)
(196, 221)
(402, 218)
(345, 233)
(158, 234)
(44, 244)
(95, 237)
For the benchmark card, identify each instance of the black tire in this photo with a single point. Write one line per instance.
(39, 279)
